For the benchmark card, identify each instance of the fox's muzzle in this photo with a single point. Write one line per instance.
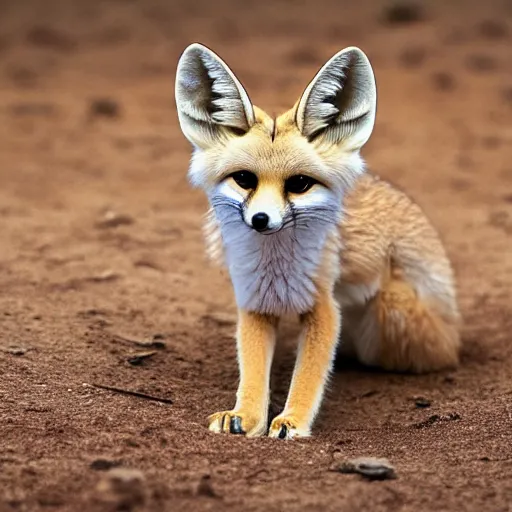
(265, 209)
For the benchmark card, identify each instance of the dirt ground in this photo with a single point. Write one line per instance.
(102, 261)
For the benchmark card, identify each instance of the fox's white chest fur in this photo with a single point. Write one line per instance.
(273, 274)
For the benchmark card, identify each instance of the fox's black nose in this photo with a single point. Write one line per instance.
(260, 221)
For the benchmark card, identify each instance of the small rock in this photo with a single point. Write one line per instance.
(507, 95)
(104, 107)
(443, 81)
(138, 359)
(436, 418)
(491, 142)
(148, 263)
(47, 37)
(428, 422)
(492, 29)
(422, 403)
(104, 464)
(108, 275)
(369, 467)
(369, 393)
(113, 220)
(205, 488)
(160, 345)
(92, 312)
(14, 350)
(17, 351)
(403, 13)
(303, 56)
(154, 343)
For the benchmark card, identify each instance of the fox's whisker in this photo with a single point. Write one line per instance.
(219, 205)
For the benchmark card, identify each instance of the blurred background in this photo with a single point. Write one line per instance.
(101, 247)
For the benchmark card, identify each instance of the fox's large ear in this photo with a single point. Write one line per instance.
(211, 102)
(339, 104)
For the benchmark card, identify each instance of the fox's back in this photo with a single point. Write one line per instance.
(383, 233)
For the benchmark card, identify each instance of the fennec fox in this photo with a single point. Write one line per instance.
(304, 230)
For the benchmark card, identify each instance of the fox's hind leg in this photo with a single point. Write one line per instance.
(397, 330)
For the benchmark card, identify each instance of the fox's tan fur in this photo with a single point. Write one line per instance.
(382, 282)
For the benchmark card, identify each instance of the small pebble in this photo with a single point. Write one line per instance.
(139, 358)
(104, 464)
(16, 351)
(422, 403)
(403, 13)
(114, 220)
(104, 107)
(205, 488)
(507, 95)
(491, 29)
(50, 38)
(443, 81)
(370, 468)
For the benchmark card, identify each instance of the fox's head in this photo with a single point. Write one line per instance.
(273, 173)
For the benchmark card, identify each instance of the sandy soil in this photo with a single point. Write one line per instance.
(101, 248)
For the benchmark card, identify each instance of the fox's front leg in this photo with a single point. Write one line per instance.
(256, 336)
(314, 361)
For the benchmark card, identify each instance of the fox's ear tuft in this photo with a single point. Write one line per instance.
(210, 100)
(339, 104)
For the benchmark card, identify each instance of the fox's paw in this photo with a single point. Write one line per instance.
(236, 422)
(287, 427)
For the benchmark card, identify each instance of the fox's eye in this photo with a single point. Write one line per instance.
(245, 179)
(299, 184)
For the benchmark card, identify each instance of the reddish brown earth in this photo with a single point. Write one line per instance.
(88, 126)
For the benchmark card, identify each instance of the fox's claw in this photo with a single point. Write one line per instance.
(283, 432)
(235, 425)
(283, 427)
(235, 422)
(226, 422)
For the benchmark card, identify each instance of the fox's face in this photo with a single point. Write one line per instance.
(272, 174)
(270, 178)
